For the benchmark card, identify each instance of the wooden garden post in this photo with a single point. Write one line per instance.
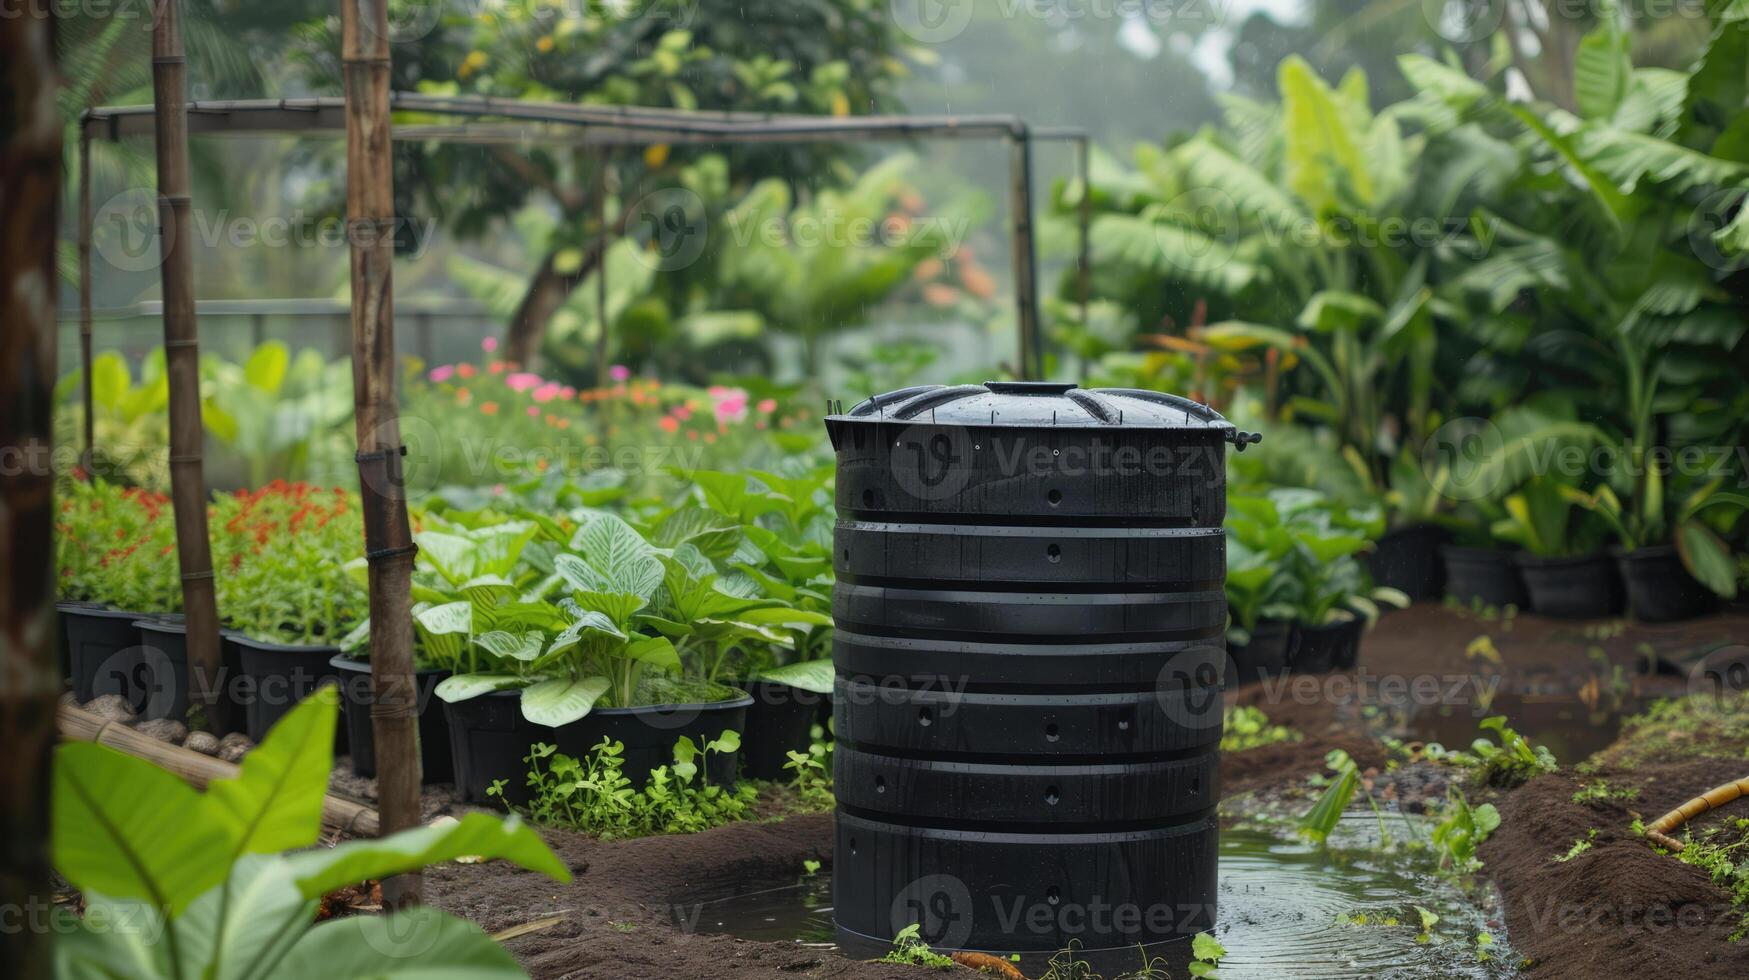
(1031, 357)
(90, 424)
(188, 495)
(30, 681)
(389, 548)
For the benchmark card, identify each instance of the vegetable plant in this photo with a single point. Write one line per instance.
(226, 883)
(593, 795)
(1514, 760)
(1461, 829)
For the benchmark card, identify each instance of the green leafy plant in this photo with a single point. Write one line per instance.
(1247, 727)
(280, 555)
(1321, 820)
(1206, 953)
(280, 414)
(130, 428)
(117, 545)
(226, 883)
(812, 775)
(1461, 829)
(594, 796)
(1514, 760)
(909, 949)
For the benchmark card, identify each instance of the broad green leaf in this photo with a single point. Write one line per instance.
(274, 803)
(815, 676)
(265, 369)
(110, 380)
(1317, 824)
(127, 829)
(1324, 161)
(562, 700)
(1602, 70)
(421, 943)
(526, 647)
(451, 617)
(654, 650)
(1707, 558)
(321, 871)
(461, 687)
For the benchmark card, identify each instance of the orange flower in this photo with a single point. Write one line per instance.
(488, 408)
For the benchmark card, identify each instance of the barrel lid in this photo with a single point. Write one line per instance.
(1032, 404)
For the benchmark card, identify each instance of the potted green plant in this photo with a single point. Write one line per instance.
(115, 552)
(1406, 557)
(1260, 588)
(1672, 557)
(1566, 573)
(1332, 601)
(780, 550)
(280, 555)
(468, 567)
(574, 672)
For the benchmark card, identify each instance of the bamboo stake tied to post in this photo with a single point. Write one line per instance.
(388, 540)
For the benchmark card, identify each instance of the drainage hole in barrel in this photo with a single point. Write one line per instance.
(868, 498)
(1051, 795)
(1195, 785)
(853, 846)
(925, 717)
(1055, 497)
(1054, 553)
(881, 784)
(1053, 895)
(1051, 733)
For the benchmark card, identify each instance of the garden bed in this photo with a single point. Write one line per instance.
(616, 919)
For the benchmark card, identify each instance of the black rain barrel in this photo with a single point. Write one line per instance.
(1030, 618)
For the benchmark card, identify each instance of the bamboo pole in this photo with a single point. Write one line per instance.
(80, 725)
(182, 363)
(388, 540)
(90, 427)
(1025, 269)
(1083, 226)
(1660, 829)
(30, 175)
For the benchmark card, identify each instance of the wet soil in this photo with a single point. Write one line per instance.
(1618, 909)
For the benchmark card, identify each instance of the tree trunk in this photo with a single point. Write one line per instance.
(30, 680)
(388, 540)
(188, 494)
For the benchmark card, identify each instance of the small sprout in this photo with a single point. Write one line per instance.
(1206, 952)
(810, 868)
(1429, 919)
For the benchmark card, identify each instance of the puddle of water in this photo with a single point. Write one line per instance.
(1572, 729)
(1280, 903)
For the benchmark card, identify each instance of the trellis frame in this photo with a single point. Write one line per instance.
(606, 127)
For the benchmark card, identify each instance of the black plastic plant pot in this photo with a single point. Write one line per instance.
(1660, 588)
(1407, 559)
(489, 740)
(273, 677)
(1572, 587)
(100, 649)
(779, 721)
(1483, 575)
(1267, 655)
(157, 673)
(62, 646)
(1029, 625)
(1327, 647)
(355, 701)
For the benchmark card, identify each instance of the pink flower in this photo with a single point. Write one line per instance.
(669, 423)
(683, 411)
(767, 406)
(731, 404)
(441, 374)
(547, 392)
(534, 411)
(619, 372)
(522, 381)
(489, 345)
(567, 393)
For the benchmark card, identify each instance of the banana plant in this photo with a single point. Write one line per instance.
(224, 884)
(278, 414)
